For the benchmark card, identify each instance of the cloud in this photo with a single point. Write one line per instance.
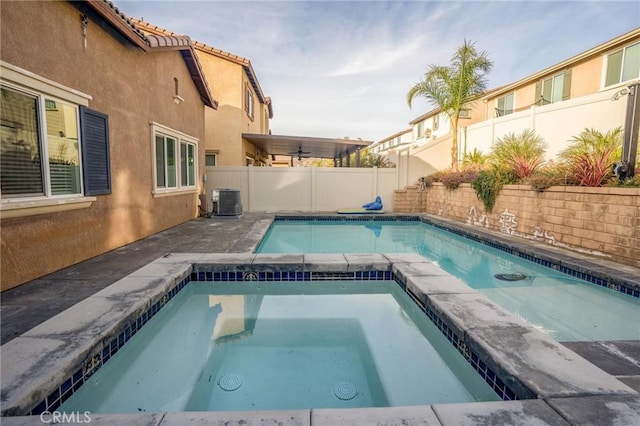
(343, 68)
(380, 56)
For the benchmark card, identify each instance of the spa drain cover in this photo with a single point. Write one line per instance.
(511, 277)
(345, 391)
(229, 382)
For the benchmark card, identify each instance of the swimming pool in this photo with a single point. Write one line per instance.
(56, 359)
(566, 307)
(283, 346)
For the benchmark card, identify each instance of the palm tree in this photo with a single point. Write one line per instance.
(452, 87)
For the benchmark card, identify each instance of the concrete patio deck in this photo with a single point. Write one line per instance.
(29, 305)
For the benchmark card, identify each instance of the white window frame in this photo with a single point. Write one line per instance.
(168, 173)
(21, 80)
(605, 65)
(506, 111)
(189, 176)
(180, 138)
(554, 88)
(436, 122)
(420, 130)
(250, 106)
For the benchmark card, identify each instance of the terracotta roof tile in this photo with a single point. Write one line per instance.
(150, 29)
(128, 28)
(171, 41)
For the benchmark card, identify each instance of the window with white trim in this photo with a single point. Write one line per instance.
(187, 163)
(166, 171)
(54, 150)
(623, 65)
(40, 145)
(504, 105)
(554, 88)
(176, 164)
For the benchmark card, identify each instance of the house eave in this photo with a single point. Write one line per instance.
(600, 49)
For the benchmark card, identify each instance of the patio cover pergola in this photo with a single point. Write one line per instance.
(336, 149)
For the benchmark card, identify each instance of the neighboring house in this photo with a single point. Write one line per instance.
(102, 134)
(562, 100)
(243, 107)
(584, 91)
(391, 145)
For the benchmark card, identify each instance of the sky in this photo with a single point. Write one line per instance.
(337, 69)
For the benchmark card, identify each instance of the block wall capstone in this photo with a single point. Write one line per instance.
(604, 222)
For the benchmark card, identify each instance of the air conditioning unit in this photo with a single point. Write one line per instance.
(229, 202)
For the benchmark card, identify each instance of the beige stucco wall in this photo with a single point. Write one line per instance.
(604, 222)
(224, 126)
(133, 88)
(586, 77)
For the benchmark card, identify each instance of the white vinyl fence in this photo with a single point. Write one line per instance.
(306, 189)
(556, 123)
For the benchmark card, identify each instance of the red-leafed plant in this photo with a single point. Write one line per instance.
(590, 157)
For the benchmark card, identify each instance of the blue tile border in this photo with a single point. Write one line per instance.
(72, 383)
(294, 275)
(602, 280)
(487, 374)
(346, 218)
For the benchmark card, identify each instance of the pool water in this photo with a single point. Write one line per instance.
(278, 345)
(567, 308)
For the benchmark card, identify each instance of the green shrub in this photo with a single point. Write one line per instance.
(452, 180)
(434, 177)
(488, 183)
(520, 153)
(551, 174)
(591, 155)
(474, 159)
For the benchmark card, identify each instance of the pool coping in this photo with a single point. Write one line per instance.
(46, 355)
(599, 271)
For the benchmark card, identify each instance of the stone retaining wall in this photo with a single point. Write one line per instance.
(600, 221)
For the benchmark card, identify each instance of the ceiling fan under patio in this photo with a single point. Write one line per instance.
(300, 153)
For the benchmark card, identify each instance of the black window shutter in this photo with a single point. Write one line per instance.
(94, 129)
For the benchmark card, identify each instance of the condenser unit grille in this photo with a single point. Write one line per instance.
(229, 202)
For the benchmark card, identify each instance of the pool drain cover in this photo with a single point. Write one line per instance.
(345, 391)
(511, 277)
(229, 382)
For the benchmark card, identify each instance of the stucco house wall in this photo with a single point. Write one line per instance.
(131, 86)
(223, 125)
(228, 76)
